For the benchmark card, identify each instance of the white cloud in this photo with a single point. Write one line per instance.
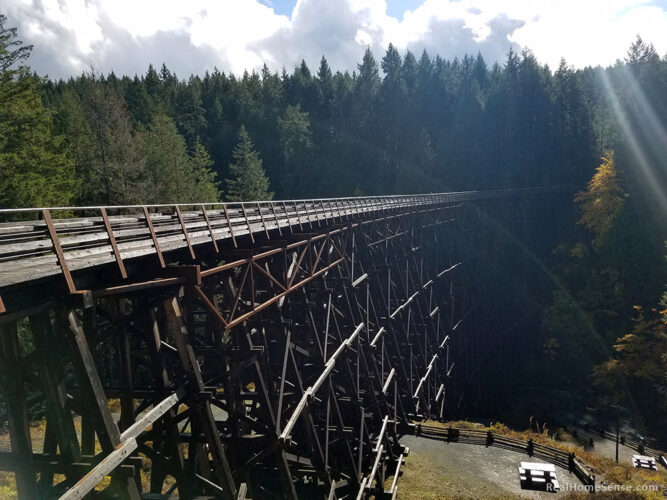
(125, 35)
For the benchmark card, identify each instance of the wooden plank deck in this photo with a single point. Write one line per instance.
(27, 251)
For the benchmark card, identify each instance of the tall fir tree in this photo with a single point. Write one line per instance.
(114, 172)
(175, 176)
(247, 181)
(35, 170)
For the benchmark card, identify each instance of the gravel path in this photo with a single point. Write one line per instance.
(606, 447)
(438, 470)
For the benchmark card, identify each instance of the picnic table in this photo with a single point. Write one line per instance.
(644, 462)
(536, 475)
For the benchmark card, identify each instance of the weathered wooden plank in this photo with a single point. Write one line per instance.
(104, 468)
(85, 242)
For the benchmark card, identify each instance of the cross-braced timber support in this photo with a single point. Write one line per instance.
(273, 350)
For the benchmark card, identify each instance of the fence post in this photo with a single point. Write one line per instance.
(419, 429)
(449, 434)
(570, 461)
(489, 438)
(529, 448)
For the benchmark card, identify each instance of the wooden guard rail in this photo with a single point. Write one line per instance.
(639, 446)
(87, 237)
(487, 438)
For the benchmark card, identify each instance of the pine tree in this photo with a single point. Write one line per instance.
(325, 87)
(35, 171)
(189, 112)
(115, 173)
(139, 104)
(175, 176)
(202, 174)
(248, 181)
(295, 139)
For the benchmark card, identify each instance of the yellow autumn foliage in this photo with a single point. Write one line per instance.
(602, 200)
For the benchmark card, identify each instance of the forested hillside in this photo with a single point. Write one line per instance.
(407, 123)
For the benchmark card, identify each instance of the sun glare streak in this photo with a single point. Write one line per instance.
(652, 128)
(651, 181)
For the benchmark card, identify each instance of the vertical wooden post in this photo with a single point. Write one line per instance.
(201, 409)
(169, 445)
(59, 417)
(96, 401)
(126, 401)
(17, 416)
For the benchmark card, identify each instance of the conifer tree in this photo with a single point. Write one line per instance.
(175, 176)
(248, 180)
(202, 174)
(114, 172)
(295, 139)
(35, 171)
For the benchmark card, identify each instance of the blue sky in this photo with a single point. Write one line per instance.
(283, 7)
(71, 36)
(395, 8)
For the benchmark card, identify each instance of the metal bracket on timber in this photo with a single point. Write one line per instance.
(281, 352)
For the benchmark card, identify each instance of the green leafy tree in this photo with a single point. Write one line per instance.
(34, 167)
(248, 180)
(638, 365)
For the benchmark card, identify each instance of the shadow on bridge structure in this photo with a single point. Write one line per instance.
(238, 350)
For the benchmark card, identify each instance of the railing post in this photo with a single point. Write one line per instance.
(53, 234)
(112, 241)
(151, 229)
(247, 223)
(185, 231)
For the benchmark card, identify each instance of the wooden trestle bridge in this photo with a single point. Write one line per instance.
(270, 349)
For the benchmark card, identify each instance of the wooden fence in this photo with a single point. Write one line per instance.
(487, 438)
(637, 445)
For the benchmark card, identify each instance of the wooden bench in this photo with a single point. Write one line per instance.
(541, 476)
(644, 462)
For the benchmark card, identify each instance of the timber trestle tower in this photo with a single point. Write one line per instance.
(238, 350)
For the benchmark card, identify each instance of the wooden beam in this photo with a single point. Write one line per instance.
(17, 416)
(202, 411)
